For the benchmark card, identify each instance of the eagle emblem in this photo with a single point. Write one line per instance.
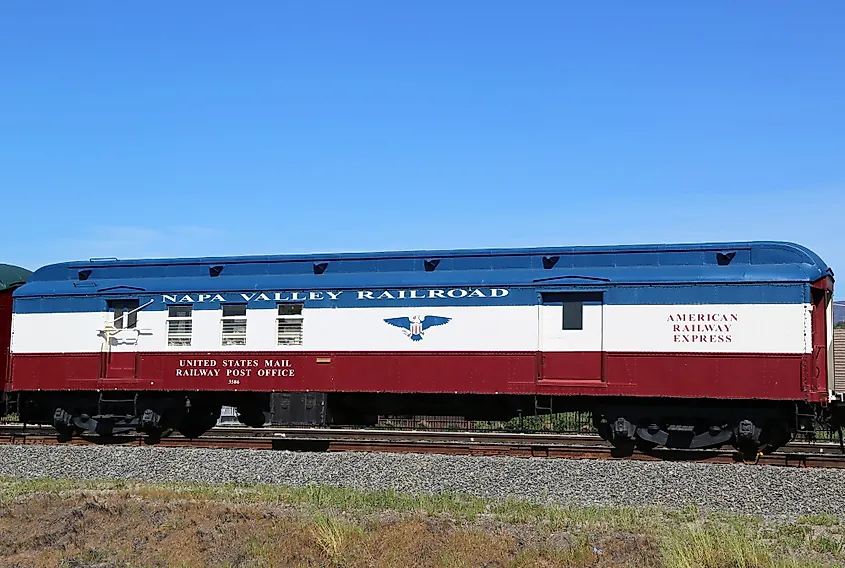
(415, 326)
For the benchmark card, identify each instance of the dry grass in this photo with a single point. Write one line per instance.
(105, 524)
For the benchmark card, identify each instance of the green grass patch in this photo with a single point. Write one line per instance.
(818, 520)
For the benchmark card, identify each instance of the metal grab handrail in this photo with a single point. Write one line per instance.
(109, 329)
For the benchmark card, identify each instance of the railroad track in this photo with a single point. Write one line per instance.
(451, 443)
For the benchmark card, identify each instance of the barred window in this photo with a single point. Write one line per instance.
(234, 324)
(289, 324)
(179, 325)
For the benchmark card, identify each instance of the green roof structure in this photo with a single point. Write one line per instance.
(12, 276)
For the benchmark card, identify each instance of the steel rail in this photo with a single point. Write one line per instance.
(373, 434)
(448, 443)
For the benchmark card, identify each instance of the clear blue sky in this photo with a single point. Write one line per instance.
(136, 129)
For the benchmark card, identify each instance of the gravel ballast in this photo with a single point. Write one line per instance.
(763, 490)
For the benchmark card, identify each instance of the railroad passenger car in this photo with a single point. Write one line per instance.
(11, 277)
(689, 345)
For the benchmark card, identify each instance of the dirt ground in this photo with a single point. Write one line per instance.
(69, 526)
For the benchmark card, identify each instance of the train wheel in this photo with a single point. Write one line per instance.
(150, 424)
(624, 437)
(602, 427)
(63, 423)
(747, 440)
(775, 435)
(197, 422)
(254, 418)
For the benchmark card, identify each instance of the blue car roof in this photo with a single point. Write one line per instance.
(753, 261)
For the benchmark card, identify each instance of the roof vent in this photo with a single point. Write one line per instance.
(430, 265)
(550, 261)
(84, 274)
(724, 258)
(215, 271)
(320, 267)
